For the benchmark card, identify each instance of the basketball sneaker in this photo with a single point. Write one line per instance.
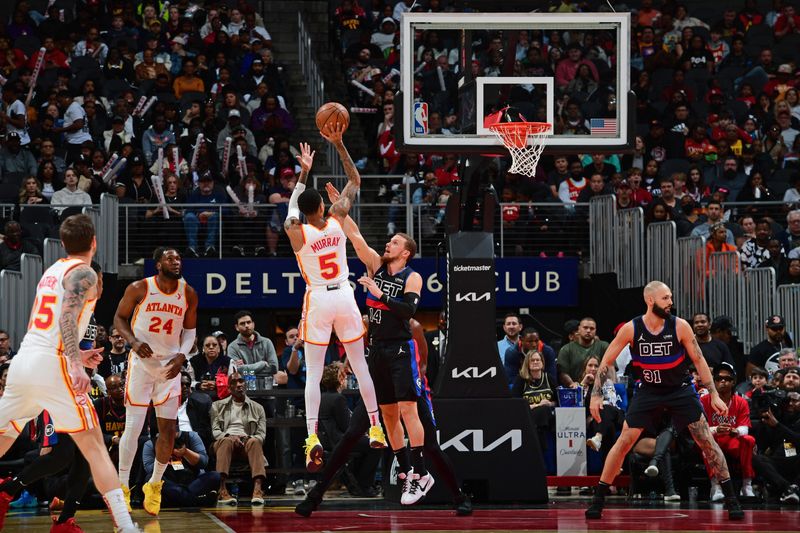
(313, 453)
(377, 439)
(310, 504)
(734, 509)
(152, 497)
(595, 442)
(715, 494)
(70, 526)
(126, 493)
(25, 500)
(651, 470)
(463, 505)
(418, 487)
(5, 500)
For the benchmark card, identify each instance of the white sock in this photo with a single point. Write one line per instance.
(355, 356)
(315, 363)
(115, 501)
(311, 426)
(158, 471)
(374, 418)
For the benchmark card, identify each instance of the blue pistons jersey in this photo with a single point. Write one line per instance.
(659, 357)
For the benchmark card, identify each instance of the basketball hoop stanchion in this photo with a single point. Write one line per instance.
(525, 141)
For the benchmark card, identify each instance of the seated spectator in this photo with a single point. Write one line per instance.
(111, 413)
(792, 274)
(233, 126)
(6, 353)
(604, 433)
(790, 237)
(754, 251)
(568, 67)
(250, 351)
(572, 356)
(239, 427)
(730, 430)
(13, 246)
(570, 189)
(30, 192)
(14, 159)
(538, 388)
(70, 195)
(190, 485)
(279, 196)
(597, 187)
(188, 81)
(194, 413)
(91, 46)
(765, 354)
(270, 119)
(210, 367)
(157, 136)
(115, 358)
(787, 22)
(193, 218)
(139, 187)
(714, 351)
(714, 215)
(717, 243)
(529, 340)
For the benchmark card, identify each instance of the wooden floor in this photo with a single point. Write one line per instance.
(377, 516)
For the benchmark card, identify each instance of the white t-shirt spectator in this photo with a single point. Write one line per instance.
(75, 112)
(16, 109)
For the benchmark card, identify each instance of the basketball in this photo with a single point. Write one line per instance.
(332, 112)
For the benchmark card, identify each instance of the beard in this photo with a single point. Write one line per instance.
(661, 312)
(171, 275)
(385, 259)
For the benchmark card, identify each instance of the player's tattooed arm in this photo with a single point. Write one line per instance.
(77, 285)
(600, 378)
(701, 434)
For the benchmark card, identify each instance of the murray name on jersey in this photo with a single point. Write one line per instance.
(325, 242)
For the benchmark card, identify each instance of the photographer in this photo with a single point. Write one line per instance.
(779, 463)
(186, 483)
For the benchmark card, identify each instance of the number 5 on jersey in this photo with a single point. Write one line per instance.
(328, 267)
(43, 316)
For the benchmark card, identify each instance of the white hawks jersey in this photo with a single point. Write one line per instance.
(323, 257)
(44, 333)
(158, 319)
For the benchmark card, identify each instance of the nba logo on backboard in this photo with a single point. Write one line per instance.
(421, 118)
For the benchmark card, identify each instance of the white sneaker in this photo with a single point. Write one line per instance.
(747, 489)
(715, 494)
(418, 488)
(651, 471)
(405, 479)
(674, 497)
(595, 442)
(299, 489)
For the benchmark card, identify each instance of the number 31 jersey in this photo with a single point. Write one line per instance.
(323, 257)
(158, 319)
(660, 357)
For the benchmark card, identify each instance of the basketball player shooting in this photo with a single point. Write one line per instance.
(157, 316)
(394, 292)
(659, 344)
(329, 302)
(48, 372)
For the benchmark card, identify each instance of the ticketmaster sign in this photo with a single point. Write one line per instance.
(276, 283)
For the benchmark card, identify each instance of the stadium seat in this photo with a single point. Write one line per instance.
(36, 214)
(8, 192)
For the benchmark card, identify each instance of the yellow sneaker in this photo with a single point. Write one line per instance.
(313, 453)
(376, 437)
(126, 492)
(152, 497)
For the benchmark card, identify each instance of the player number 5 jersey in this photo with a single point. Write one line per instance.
(323, 257)
(158, 319)
(44, 333)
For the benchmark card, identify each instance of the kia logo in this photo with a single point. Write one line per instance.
(473, 297)
(472, 372)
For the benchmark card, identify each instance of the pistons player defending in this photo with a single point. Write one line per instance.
(48, 372)
(659, 345)
(157, 316)
(394, 291)
(329, 302)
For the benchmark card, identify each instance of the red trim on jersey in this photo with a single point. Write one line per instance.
(663, 366)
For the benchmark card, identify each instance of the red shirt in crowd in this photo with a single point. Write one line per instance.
(738, 412)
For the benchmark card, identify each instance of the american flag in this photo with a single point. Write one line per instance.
(603, 126)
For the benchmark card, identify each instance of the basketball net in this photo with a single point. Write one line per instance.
(525, 141)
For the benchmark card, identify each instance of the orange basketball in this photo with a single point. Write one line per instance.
(332, 112)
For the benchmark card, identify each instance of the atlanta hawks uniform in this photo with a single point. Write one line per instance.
(38, 377)
(158, 322)
(666, 386)
(329, 302)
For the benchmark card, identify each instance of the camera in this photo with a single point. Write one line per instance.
(769, 399)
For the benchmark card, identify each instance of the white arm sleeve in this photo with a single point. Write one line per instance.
(743, 430)
(187, 341)
(294, 212)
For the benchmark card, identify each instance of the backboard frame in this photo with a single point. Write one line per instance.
(406, 141)
(483, 81)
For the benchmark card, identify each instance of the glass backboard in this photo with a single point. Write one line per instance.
(571, 70)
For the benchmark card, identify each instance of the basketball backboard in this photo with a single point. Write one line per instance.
(459, 68)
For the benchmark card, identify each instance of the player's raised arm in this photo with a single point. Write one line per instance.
(367, 255)
(79, 286)
(306, 161)
(333, 133)
(134, 294)
(624, 337)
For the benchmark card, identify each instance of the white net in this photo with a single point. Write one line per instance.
(525, 141)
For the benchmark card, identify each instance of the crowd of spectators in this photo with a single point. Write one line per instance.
(209, 69)
(759, 435)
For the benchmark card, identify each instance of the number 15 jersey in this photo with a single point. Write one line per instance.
(158, 319)
(323, 257)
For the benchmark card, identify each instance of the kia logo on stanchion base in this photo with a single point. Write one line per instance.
(472, 372)
(473, 297)
(514, 437)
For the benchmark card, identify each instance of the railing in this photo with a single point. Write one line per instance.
(31, 268)
(690, 286)
(724, 284)
(12, 294)
(788, 305)
(602, 239)
(53, 251)
(756, 304)
(662, 252)
(630, 248)
(315, 85)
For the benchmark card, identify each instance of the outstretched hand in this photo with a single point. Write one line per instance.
(333, 132)
(333, 192)
(306, 157)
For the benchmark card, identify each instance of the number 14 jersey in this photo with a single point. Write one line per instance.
(158, 319)
(323, 257)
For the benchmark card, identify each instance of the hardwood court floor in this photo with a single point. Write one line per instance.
(377, 516)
